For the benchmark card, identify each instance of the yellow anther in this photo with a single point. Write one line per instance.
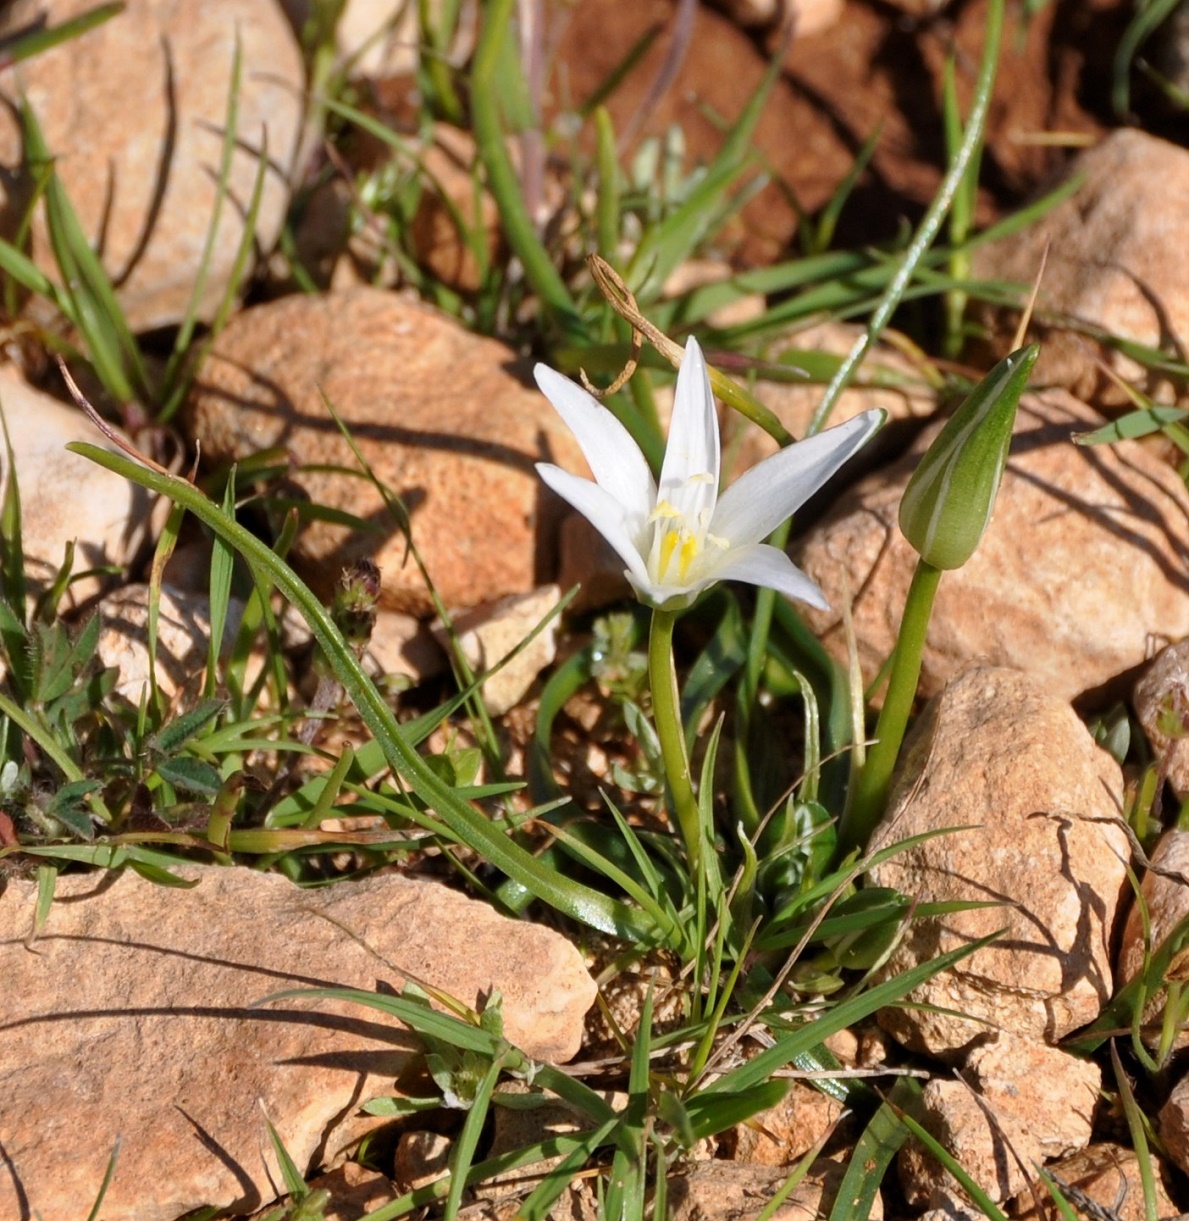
(664, 511)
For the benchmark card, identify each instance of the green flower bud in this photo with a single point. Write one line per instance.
(948, 501)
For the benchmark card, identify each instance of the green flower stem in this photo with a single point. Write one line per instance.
(662, 679)
(871, 792)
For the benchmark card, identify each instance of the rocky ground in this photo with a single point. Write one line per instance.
(132, 1011)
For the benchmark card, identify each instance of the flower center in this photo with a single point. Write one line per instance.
(678, 540)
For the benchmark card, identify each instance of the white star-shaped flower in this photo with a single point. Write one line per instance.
(683, 536)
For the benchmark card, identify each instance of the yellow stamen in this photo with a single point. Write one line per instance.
(689, 552)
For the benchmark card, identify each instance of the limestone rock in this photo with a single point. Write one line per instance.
(449, 194)
(434, 411)
(183, 633)
(1174, 1124)
(489, 634)
(1019, 1098)
(1106, 1174)
(733, 1191)
(138, 151)
(1161, 701)
(1166, 892)
(421, 1157)
(1083, 565)
(158, 1042)
(402, 647)
(64, 496)
(1118, 261)
(355, 1192)
(782, 1134)
(995, 754)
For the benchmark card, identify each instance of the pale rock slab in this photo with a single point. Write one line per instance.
(434, 411)
(183, 633)
(1084, 565)
(421, 1157)
(402, 647)
(159, 1040)
(996, 754)
(488, 635)
(1165, 888)
(64, 496)
(1161, 702)
(1018, 1096)
(1118, 260)
(138, 151)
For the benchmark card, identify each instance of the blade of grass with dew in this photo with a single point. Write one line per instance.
(436, 25)
(954, 1167)
(193, 356)
(1142, 423)
(655, 906)
(827, 221)
(573, 898)
(47, 881)
(607, 205)
(961, 215)
(465, 1036)
(293, 1179)
(20, 268)
(14, 635)
(715, 665)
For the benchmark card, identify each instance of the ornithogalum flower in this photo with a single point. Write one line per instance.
(680, 537)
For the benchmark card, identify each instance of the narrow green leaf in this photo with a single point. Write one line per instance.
(873, 1153)
(38, 41)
